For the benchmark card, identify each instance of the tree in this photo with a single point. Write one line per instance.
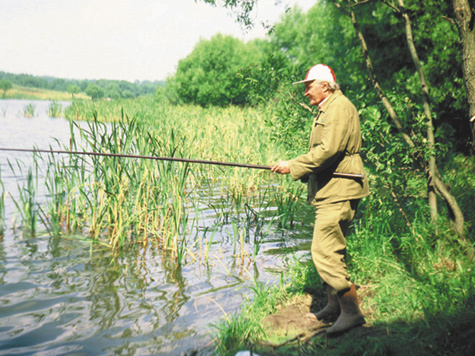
(465, 20)
(434, 178)
(94, 91)
(5, 85)
(73, 89)
(112, 91)
(241, 8)
(209, 75)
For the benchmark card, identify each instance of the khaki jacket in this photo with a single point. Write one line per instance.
(335, 143)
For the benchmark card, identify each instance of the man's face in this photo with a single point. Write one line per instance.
(316, 92)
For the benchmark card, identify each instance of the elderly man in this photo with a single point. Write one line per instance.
(335, 143)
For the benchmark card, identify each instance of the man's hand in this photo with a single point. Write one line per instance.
(282, 167)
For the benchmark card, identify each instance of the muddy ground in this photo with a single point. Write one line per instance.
(294, 330)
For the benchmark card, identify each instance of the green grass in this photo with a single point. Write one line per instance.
(417, 288)
(30, 93)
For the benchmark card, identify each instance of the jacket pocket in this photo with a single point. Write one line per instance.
(317, 137)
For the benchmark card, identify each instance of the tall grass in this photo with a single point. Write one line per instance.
(29, 110)
(118, 201)
(2, 206)
(55, 109)
(122, 202)
(26, 203)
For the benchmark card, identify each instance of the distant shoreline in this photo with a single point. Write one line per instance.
(31, 93)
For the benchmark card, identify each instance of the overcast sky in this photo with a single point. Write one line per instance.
(115, 39)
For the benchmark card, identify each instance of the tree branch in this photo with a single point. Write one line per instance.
(448, 19)
(392, 6)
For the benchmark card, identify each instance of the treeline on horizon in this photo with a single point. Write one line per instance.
(114, 89)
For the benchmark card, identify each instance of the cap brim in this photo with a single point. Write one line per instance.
(304, 81)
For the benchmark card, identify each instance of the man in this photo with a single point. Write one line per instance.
(335, 143)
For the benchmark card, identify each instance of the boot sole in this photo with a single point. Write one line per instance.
(336, 329)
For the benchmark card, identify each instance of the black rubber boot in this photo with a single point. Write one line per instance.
(351, 314)
(332, 309)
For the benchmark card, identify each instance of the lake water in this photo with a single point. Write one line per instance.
(64, 295)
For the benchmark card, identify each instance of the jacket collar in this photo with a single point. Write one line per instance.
(330, 99)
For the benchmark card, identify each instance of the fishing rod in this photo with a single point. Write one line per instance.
(175, 159)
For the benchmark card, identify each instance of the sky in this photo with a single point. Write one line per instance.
(116, 39)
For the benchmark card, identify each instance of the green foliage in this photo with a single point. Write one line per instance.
(95, 92)
(459, 176)
(242, 9)
(238, 330)
(262, 80)
(55, 109)
(436, 41)
(73, 89)
(5, 85)
(112, 91)
(322, 35)
(125, 88)
(210, 74)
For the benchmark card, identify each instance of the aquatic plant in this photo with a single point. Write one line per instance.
(26, 203)
(29, 110)
(2, 206)
(55, 109)
(286, 198)
(121, 202)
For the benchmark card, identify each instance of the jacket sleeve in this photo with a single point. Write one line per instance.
(328, 146)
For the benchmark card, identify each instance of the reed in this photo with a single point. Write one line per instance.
(122, 202)
(55, 109)
(286, 198)
(26, 203)
(29, 110)
(2, 206)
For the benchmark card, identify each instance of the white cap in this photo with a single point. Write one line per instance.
(320, 72)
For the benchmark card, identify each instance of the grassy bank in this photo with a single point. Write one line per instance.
(29, 93)
(416, 287)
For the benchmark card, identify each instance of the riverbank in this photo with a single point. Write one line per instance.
(405, 318)
(30, 93)
(415, 287)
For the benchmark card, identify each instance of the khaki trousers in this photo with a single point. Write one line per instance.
(329, 242)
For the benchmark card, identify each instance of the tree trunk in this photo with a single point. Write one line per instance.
(465, 20)
(430, 127)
